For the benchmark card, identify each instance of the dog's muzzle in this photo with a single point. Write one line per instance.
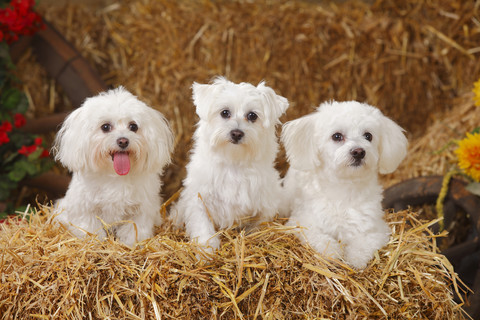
(357, 154)
(236, 136)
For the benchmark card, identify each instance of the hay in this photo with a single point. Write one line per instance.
(420, 56)
(267, 274)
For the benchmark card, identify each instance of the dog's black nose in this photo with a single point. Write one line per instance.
(236, 135)
(358, 153)
(122, 142)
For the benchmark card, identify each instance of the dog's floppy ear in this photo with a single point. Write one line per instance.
(298, 137)
(160, 140)
(204, 95)
(68, 147)
(276, 104)
(393, 145)
(201, 98)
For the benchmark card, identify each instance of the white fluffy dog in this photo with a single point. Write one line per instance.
(116, 147)
(335, 155)
(231, 175)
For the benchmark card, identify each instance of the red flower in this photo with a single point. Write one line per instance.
(19, 19)
(23, 6)
(45, 154)
(4, 138)
(6, 126)
(27, 150)
(38, 141)
(19, 120)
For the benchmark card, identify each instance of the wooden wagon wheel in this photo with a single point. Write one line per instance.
(78, 80)
(425, 190)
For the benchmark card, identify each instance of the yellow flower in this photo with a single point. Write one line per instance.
(468, 154)
(476, 91)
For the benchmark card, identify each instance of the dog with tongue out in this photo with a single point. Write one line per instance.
(116, 148)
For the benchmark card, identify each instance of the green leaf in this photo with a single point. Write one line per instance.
(21, 169)
(35, 155)
(17, 173)
(10, 99)
(476, 130)
(30, 168)
(22, 104)
(474, 188)
(20, 138)
(10, 157)
(5, 55)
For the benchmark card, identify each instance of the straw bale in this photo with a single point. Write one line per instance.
(46, 273)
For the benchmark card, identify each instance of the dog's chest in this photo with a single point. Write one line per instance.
(342, 210)
(113, 201)
(237, 186)
(234, 194)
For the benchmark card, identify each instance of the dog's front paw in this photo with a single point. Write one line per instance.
(209, 243)
(208, 246)
(359, 253)
(324, 244)
(357, 258)
(359, 264)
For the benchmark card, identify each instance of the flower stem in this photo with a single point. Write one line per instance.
(441, 196)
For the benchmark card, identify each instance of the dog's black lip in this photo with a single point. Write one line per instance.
(357, 163)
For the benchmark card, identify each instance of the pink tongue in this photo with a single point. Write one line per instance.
(121, 163)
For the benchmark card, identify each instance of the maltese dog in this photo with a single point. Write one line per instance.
(332, 188)
(231, 176)
(116, 147)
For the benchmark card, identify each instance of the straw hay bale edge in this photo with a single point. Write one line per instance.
(46, 273)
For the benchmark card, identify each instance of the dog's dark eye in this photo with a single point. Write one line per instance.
(368, 136)
(106, 127)
(252, 116)
(337, 137)
(225, 114)
(133, 127)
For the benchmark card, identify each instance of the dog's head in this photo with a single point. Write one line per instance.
(238, 120)
(347, 139)
(114, 132)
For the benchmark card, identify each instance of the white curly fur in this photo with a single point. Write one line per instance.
(333, 197)
(97, 193)
(235, 180)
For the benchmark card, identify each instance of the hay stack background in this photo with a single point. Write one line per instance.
(415, 60)
(411, 59)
